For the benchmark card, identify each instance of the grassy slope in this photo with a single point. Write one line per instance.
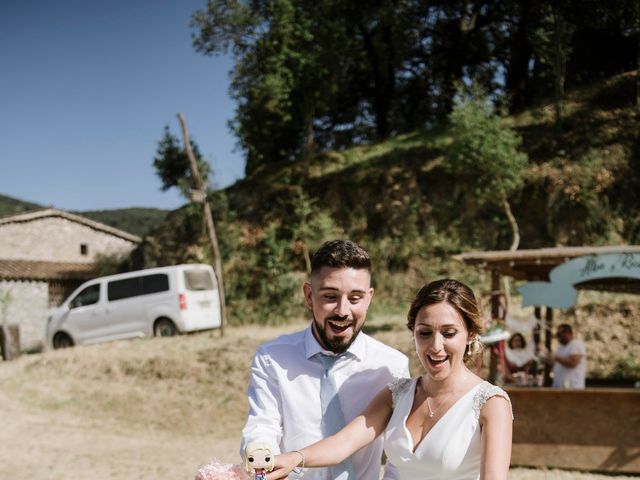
(385, 186)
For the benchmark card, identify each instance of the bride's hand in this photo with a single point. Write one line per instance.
(284, 465)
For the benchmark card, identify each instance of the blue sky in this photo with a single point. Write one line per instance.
(86, 88)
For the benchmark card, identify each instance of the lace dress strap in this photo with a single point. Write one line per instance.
(484, 393)
(399, 386)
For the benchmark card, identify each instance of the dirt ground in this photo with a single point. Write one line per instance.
(140, 409)
(39, 444)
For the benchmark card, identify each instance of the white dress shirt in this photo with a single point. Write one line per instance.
(284, 395)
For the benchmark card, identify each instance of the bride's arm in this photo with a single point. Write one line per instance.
(332, 450)
(496, 421)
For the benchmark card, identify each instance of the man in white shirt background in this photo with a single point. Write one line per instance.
(570, 365)
(285, 408)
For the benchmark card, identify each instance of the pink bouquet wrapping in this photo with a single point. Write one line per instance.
(221, 471)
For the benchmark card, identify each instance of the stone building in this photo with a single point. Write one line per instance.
(44, 255)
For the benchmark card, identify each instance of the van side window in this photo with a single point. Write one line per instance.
(155, 283)
(119, 289)
(87, 296)
(198, 280)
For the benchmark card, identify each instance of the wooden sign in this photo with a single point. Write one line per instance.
(560, 292)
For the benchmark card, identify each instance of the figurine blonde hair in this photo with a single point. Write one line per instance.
(256, 451)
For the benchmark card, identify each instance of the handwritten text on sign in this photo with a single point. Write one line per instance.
(559, 292)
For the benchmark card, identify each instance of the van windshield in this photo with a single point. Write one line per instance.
(198, 280)
(87, 296)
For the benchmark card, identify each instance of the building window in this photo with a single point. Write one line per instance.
(84, 249)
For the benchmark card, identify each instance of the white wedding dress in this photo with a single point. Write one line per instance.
(451, 449)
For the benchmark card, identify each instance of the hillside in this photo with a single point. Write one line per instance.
(12, 206)
(581, 187)
(136, 220)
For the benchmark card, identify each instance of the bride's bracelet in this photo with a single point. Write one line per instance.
(298, 469)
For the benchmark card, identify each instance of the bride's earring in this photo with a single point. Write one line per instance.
(473, 346)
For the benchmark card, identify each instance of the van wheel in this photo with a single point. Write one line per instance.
(62, 340)
(164, 328)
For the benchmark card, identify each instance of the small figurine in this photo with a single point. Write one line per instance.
(258, 460)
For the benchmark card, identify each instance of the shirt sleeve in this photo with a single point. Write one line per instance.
(577, 348)
(398, 366)
(264, 421)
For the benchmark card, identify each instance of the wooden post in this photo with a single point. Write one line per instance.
(548, 326)
(537, 312)
(200, 195)
(638, 56)
(10, 341)
(536, 330)
(495, 313)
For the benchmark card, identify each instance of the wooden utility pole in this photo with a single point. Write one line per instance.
(199, 195)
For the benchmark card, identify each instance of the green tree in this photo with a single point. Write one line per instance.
(331, 74)
(307, 225)
(172, 164)
(313, 74)
(559, 43)
(485, 154)
(280, 76)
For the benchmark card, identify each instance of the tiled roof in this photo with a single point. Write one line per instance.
(54, 212)
(41, 270)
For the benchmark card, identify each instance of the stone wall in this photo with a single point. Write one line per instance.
(57, 239)
(27, 307)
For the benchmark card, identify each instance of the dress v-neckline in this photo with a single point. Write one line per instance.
(413, 397)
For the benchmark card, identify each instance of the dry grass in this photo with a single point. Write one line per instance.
(153, 408)
(174, 384)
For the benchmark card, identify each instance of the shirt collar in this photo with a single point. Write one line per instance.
(312, 347)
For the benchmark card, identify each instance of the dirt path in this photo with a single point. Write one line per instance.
(42, 445)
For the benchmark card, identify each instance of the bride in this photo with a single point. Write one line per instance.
(445, 424)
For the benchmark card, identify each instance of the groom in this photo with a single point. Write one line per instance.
(285, 406)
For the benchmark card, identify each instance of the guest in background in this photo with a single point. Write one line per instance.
(569, 360)
(519, 360)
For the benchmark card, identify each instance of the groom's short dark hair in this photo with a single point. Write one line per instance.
(340, 254)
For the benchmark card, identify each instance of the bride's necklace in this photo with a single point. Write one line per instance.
(433, 411)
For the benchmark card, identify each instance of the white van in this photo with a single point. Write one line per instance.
(160, 301)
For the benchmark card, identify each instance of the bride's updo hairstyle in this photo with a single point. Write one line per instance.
(456, 294)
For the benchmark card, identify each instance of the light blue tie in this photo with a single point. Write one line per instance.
(332, 415)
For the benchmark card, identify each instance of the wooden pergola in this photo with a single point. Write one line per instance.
(535, 265)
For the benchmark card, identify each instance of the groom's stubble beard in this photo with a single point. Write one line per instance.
(335, 345)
